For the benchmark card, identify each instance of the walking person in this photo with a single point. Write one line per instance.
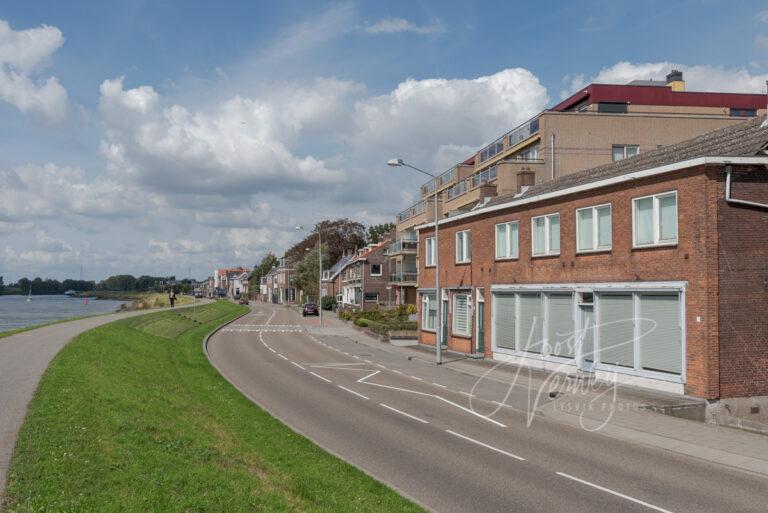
(172, 297)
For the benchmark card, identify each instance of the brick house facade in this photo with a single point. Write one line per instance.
(364, 279)
(690, 312)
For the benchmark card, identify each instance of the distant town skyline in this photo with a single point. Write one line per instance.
(178, 138)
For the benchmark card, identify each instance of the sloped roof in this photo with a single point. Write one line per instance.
(746, 139)
(338, 266)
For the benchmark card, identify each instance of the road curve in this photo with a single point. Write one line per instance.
(395, 421)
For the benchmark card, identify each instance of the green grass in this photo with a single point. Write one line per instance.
(131, 416)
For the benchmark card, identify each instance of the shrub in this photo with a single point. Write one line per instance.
(328, 302)
(363, 323)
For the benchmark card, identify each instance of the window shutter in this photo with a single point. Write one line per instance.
(504, 319)
(461, 315)
(616, 330)
(531, 323)
(661, 348)
(561, 325)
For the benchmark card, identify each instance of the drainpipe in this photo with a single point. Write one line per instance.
(552, 154)
(729, 199)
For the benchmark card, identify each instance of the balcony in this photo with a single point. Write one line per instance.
(438, 182)
(456, 191)
(511, 138)
(404, 278)
(403, 246)
(484, 176)
(411, 212)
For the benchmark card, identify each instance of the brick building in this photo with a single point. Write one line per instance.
(651, 270)
(364, 278)
(599, 124)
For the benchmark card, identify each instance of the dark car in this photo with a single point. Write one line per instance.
(309, 309)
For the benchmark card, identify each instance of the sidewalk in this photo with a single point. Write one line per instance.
(624, 413)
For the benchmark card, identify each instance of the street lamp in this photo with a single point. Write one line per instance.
(438, 298)
(320, 271)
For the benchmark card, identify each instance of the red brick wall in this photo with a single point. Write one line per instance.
(743, 278)
(693, 260)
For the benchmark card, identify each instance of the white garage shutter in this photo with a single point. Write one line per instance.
(461, 318)
(504, 320)
(560, 325)
(531, 320)
(616, 333)
(661, 349)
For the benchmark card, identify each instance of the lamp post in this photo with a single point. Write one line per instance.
(438, 298)
(320, 271)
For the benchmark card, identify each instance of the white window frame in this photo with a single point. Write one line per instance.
(381, 267)
(595, 226)
(425, 313)
(454, 331)
(371, 300)
(624, 150)
(508, 252)
(429, 252)
(465, 245)
(548, 238)
(656, 221)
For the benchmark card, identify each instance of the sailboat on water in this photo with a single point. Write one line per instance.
(29, 297)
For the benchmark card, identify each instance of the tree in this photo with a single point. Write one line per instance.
(2, 285)
(378, 231)
(339, 234)
(307, 273)
(268, 262)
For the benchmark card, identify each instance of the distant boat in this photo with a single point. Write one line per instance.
(70, 293)
(29, 297)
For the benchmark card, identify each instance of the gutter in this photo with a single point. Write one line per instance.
(629, 177)
(729, 199)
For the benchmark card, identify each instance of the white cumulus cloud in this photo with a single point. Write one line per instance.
(21, 54)
(393, 25)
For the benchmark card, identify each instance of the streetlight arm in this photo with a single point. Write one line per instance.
(417, 169)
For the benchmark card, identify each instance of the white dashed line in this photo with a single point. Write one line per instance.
(439, 385)
(405, 414)
(478, 442)
(271, 349)
(320, 377)
(397, 371)
(380, 365)
(282, 356)
(352, 392)
(416, 377)
(608, 490)
(299, 366)
(368, 361)
(466, 393)
(502, 404)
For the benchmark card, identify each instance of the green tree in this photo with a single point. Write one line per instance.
(307, 273)
(268, 262)
(377, 231)
(2, 285)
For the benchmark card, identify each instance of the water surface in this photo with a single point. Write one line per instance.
(15, 312)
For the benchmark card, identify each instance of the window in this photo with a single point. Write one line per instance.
(375, 269)
(624, 151)
(654, 220)
(560, 325)
(531, 322)
(593, 228)
(463, 247)
(371, 297)
(507, 240)
(461, 315)
(612, 107)
(505, 319)
(428, 311)
(545, 231)
(616, 329)
(662, 349)
(743, 113)
(429, 250)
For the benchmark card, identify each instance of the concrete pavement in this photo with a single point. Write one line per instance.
(415, 427)
(24, 357)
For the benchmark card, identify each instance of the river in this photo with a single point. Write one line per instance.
(16, 312)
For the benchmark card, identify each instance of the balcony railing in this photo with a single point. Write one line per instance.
(456, 191)
(401, 246)
(408, 213)
(439, 181)
(484, 176)
(514, 136)
(404, 277)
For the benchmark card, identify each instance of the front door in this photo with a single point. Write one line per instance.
(480, 317)
(444, 341)
(585, 355)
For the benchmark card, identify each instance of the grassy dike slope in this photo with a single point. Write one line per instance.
(132, 417)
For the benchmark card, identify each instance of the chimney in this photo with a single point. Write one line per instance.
(675, 80)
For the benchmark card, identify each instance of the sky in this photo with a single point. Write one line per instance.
(176, 137)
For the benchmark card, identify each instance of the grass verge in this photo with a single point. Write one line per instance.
(131, 416)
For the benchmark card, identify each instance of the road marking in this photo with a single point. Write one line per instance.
(608, 490)
(270, 317)
(403, 413)
(466, 393)
(502, 404)
(283, 357)
(355, 356)
(439, 385)
(299, 366)
(478, 442)
(380, 365)
(352, 392)
(272, 350)
(416, 377)
(368, 361)
(394, 370)
(320, 377)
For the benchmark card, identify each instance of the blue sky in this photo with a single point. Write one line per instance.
(149, 137)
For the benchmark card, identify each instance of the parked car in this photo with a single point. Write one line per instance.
(309, 309)
(243, 301)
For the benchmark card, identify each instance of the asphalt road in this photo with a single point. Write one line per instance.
(403, 423)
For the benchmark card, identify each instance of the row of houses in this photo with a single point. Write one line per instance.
(621, 234)
(227, 282)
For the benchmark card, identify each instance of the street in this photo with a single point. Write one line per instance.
(404, 423)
